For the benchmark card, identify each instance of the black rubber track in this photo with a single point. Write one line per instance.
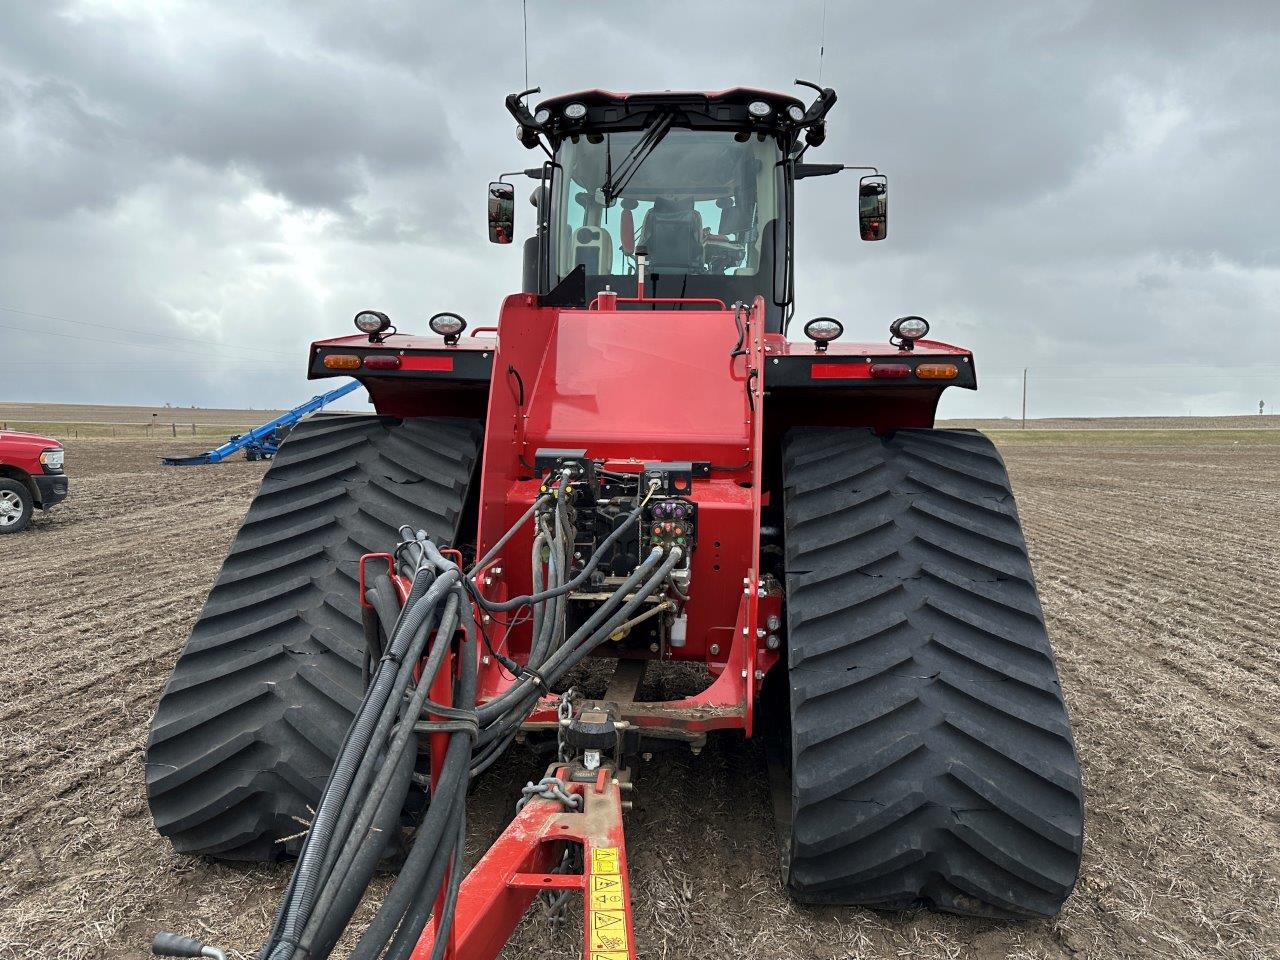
(932, 761)
(262, 695)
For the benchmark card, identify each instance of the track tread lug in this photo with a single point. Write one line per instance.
(263, 692)
(932, 755)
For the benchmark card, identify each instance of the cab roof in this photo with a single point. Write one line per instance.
(607, 110)
(733, 95)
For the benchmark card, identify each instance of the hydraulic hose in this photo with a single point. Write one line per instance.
(358, 812)
(403, 743)
(330, 918)
(395, 666)
(501, 703)
(587, 568)
(537, 505)
(421, 873)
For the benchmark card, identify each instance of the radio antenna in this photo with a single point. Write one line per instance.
(822, 44)
(524, 8)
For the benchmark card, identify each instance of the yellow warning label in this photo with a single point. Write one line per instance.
(611, 955)
(607, 899)
(608, 932)
(604, 860)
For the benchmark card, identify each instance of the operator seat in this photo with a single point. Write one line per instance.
(593, 248)
(672, 232)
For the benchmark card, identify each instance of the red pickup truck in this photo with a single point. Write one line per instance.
(31, 475)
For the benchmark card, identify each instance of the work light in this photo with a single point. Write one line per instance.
(822, 330)
(909, 328)
(447, 325)
(795, 112)
(371, 321)
(758, 108)
(575, 111)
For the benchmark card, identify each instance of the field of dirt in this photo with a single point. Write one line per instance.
(1268, 421)
(1159, 574)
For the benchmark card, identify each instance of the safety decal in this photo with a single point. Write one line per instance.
(608, 932)
(606, 893)
(604, 860)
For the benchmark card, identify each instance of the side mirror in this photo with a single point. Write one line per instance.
(502, 212)
(873, 207)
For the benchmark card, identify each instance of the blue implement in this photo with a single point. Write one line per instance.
(261, 443)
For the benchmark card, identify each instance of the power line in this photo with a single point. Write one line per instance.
(140, 333)
(128, 343)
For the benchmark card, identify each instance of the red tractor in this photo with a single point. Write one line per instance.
(635, 465)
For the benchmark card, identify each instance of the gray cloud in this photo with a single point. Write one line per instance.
(1077, 188)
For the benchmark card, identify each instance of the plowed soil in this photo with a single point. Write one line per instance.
(1161, 581)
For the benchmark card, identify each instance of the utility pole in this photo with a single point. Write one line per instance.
(1024, 398)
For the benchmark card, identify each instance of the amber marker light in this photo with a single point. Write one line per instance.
(936, 371)
(342, 361)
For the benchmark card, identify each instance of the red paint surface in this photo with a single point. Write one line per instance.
(420, 362)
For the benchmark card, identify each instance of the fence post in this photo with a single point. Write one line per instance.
(175, 428)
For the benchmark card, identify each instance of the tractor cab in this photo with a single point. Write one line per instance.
(689, 194)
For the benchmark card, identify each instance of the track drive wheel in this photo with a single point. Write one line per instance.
(250, 722)
(931, 759)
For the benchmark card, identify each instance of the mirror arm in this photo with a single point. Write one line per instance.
(804, 170)
(533, 173)
(826, 169)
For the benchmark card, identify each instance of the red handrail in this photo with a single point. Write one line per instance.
(709, 301)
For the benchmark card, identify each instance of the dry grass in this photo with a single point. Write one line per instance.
(1161, 590)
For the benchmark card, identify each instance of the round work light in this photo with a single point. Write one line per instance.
(372, 322)
(909, 328)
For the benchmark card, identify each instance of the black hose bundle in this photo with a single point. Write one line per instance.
(358, 815)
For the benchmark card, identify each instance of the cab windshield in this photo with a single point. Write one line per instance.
(701, 203)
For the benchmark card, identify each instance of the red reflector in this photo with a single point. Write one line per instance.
(890, 371)
(427, 363)
(380, 362)
(840, 371)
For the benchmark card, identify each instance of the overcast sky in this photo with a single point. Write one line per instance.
(1085, 189)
